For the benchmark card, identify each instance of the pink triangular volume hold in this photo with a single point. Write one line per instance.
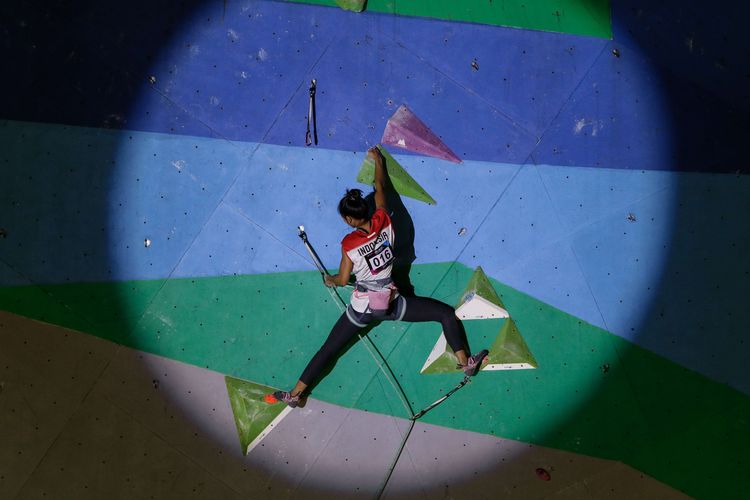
(405, 130)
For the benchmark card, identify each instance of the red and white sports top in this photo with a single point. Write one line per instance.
(371, 254)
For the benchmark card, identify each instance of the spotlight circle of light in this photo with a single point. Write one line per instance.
(137, 263)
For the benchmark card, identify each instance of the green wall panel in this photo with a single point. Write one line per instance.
(593, 392)
(580, 17)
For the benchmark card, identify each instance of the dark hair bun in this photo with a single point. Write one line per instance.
(354, 205)
(353, 194)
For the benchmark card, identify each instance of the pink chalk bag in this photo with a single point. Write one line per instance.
(379, 294)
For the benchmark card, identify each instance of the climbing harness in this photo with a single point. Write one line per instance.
(311, 118)
(379, 292)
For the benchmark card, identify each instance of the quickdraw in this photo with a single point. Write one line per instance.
(310, 138)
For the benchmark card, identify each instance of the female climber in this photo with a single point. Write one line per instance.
(368, 253)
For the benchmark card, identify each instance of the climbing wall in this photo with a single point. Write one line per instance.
(154, 172)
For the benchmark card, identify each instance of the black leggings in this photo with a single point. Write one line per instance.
(418, 309)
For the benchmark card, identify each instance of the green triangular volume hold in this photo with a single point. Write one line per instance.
(352, 5)
(441, 359)
(509, 351)
(254, 417)
(402, 182)
(480, 300)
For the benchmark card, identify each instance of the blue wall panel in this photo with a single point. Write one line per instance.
(231, 244)
(683, 301)
(622, 260)
(54, 185)
(552, 273)
(526, 75)
(215, 48)
(522, 222)
(237, 76)
(616, 118)
(706, 49)
(10, 277)
(377, 76)
(170, 188)
(584, 195)
(286, 187)
(464, 193)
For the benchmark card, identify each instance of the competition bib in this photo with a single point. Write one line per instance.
(380, 258)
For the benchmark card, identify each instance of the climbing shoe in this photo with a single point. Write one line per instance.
(286, 397)
(474, 363)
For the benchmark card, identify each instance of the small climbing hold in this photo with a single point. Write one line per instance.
(631, 217)
(462, 231)
(352, 5)
(147, 243)
(616, 52)
(156, 383)
(3, 233)
(605, 368)
(475, 65)
(543, 474)
(152, 79)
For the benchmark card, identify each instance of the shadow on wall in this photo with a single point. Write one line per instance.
(72, 63)
(699, 312)
(80, 63)
(63, 73)
(403, 226)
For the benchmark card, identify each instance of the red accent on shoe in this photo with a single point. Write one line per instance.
(270, 399)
